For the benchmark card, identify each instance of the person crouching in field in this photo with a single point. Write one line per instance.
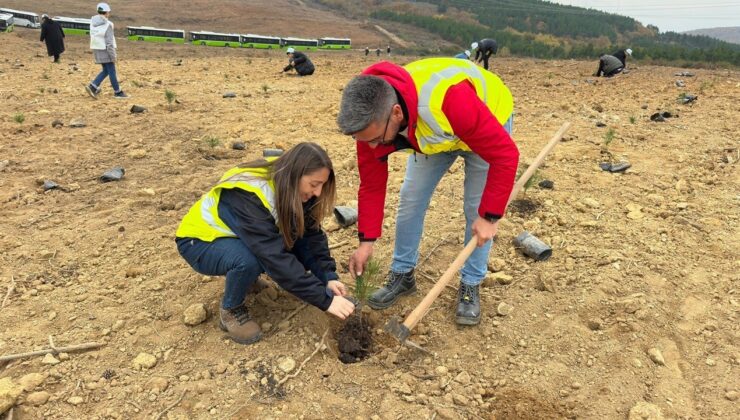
(265, 217)
(300, 62)
(103, 44)
(610, 65)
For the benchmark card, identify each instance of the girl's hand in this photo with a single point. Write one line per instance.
(337, 287)
(341, 307)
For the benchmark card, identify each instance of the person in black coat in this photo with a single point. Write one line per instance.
(483, 50)
(300, 62)
(53, 34)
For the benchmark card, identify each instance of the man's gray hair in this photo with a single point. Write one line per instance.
(366, 99)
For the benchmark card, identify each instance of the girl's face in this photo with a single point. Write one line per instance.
(311, 184)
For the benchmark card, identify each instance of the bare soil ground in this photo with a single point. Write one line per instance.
(644, 261)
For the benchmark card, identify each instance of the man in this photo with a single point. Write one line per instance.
(610, 65)
(443, 108)
(483, 50)
(388, 50)
(367, 51)
(300, 62)
(53, 35)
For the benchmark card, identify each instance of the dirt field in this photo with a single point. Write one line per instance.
(644, 262)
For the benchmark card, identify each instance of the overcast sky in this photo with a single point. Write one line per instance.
(670, 15)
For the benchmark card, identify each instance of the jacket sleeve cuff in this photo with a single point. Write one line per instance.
(364, 238)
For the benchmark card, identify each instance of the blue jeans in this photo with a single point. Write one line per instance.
(423, 173)
(109, 70)
(229, 256)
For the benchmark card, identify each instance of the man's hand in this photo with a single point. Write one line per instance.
(484, 230)
(358, 260)
(341, 307)
(337, 287)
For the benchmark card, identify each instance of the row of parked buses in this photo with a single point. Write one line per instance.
(79, 26)
(6, 22)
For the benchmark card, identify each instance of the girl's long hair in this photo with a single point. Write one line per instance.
(286, 173)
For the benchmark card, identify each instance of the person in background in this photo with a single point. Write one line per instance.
(377, 52)
(441, 109)
(367, 51)
(388, 50)
(464, 55)
(265, 217)
(299, 62)
(53, 35)
(103, 44)
(483, 50)
(612, 64)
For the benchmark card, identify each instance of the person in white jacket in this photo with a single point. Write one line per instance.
(103, 44)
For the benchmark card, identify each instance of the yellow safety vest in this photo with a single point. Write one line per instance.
(433, 77)
(202, 221)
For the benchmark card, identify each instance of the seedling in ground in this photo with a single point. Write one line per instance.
(212, 141)
(19, 118)
(137, 84)
(532, 181)
(366, 283)
(633, 119)
(265, 87)
(608, 138)
(170, 96)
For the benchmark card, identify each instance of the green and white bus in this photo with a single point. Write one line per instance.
(6, 22)
(147, 33)
(300, 43)
(21, 18)
(73, 26)
(335, 43)
(215, 39)
(260, 41)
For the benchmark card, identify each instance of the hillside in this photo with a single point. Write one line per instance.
(636, 311)
(727, 34)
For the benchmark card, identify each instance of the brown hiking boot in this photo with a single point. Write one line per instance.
(239, 325)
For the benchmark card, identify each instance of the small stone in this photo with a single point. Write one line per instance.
(158, 384)
(504, 309)
(710, 362)
(148, 192)
(656, 356)
(77, 124)
(134, 272)
(137, 109)
(30, 381)
(546, 184)
(731, 395)
(76, 400)
(446, 413)
(496, 264)
(595, 324)
(9, 393)
(576, 385)
(114, 174)
(221, 368)
(637, 363)
(229, 95)
(463, 378)
(57, 124)
(138, 154)
(441, 370)
(286, 364)
(590, 202)
(645, 411)
(144, 361)
(195, 314)
(63, 356)
(238, 145)
(49, 185)
(502, 278)
(460, 400)
(49, 359)
(38, 398)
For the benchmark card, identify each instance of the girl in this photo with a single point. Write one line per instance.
(103, 44)
(265, 216)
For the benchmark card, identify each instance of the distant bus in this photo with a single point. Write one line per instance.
(259, 41)
(215, 39)
(21, 18)
(147, 33)
(335, 43)
(73, 26)
(300, 43)
(6, 22)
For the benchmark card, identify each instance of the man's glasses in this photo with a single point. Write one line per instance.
(381, 138)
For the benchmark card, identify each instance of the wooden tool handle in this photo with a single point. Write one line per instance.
(423, 307)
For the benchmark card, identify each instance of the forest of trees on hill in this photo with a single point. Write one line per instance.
(542, 29)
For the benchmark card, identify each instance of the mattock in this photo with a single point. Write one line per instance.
(402, 330)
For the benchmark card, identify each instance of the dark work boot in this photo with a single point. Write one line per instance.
(396, 285)
(468, 305)
(239, 325)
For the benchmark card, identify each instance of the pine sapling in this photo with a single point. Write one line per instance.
(170, 97)
(19, 118)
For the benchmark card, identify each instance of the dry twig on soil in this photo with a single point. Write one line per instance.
(318, 349)
(171, 406)
(338, 245)
(10, 290)
(55, 350)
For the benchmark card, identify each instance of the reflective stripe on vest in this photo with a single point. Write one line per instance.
(202, 220)
(433, 77)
